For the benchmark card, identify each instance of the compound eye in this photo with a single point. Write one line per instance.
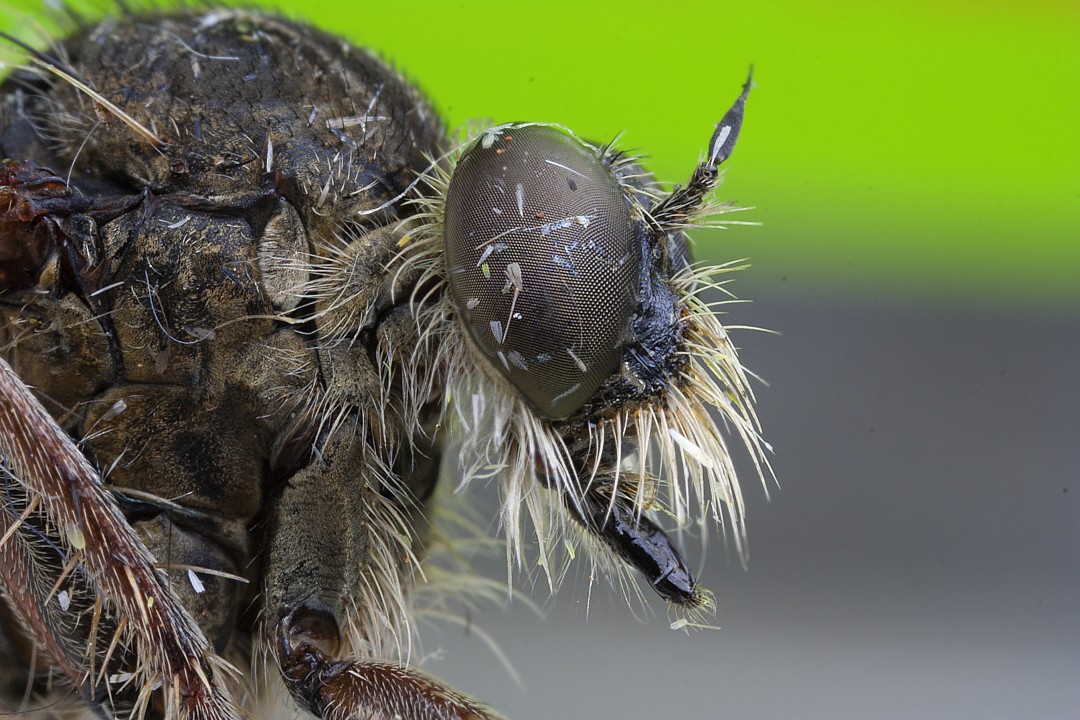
(543, 269)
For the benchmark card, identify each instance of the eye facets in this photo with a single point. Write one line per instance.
(542, 268)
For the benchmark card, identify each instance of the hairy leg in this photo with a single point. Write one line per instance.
(342, 555)
(54, 478)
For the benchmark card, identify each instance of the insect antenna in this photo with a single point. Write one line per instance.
(684, 203)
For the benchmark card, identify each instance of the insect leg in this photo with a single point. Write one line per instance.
(26, 579)
(52, 472)
(17, 669)
(339, 548)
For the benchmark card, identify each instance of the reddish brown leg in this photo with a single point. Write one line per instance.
(53, 476)
(356, 690)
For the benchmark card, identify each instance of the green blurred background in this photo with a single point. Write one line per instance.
(919, 148)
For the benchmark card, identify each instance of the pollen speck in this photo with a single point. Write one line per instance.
(76, 538)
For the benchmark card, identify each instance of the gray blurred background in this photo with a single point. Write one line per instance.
(920, 558)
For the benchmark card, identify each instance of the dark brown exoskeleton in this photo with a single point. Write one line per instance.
(249, 283)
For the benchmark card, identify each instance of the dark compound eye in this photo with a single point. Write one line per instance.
(542, 267)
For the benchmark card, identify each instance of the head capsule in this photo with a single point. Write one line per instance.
(576, 349)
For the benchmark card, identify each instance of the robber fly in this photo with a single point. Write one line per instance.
(249, 292)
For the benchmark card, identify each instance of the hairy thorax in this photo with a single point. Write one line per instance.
(200, 315)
